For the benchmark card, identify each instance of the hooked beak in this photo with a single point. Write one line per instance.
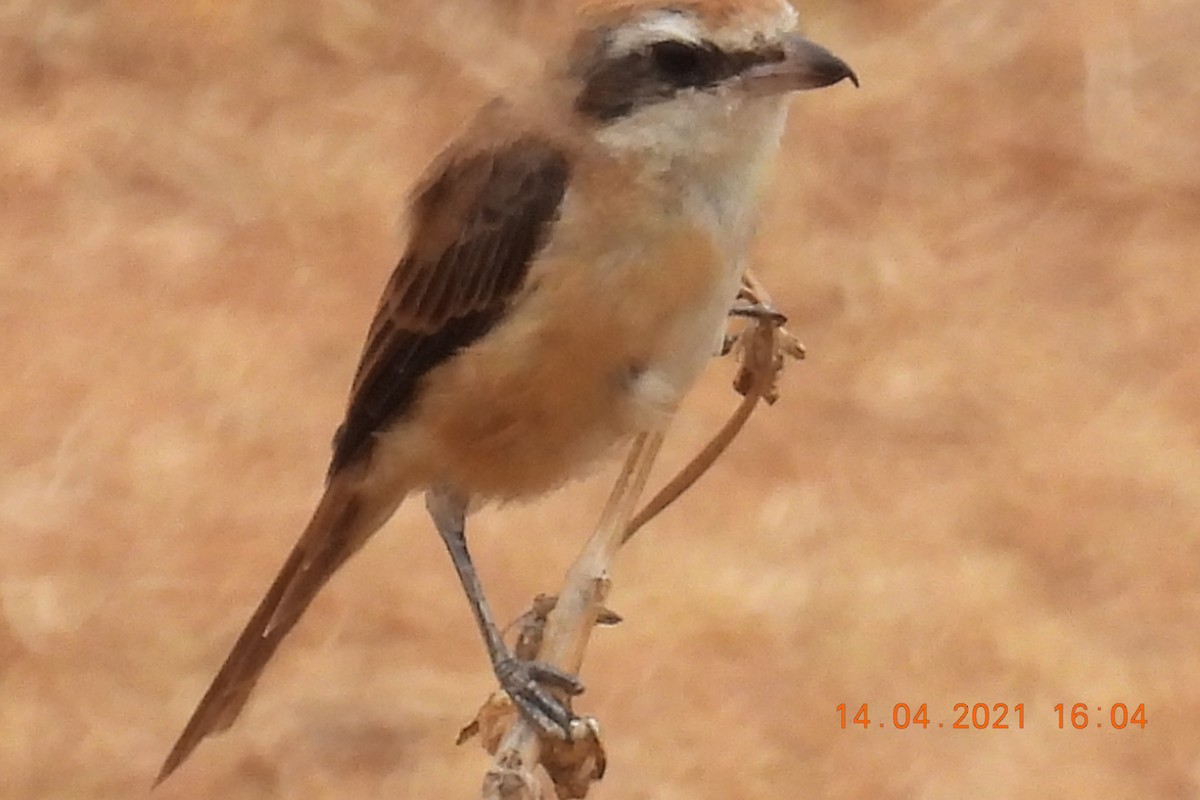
(805, 65)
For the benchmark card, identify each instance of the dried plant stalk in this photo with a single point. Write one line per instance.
(570, 623)
(763, 348)
(574, 765)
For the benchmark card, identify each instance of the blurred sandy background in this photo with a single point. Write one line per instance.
(983, 485)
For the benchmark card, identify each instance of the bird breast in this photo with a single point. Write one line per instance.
(620, 312)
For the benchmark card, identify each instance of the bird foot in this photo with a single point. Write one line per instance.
(529, 684)
(758, 311)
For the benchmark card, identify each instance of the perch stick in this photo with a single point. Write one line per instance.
(570, 623)
(763, 347)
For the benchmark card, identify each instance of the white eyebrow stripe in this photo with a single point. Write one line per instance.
(681, 25)
(661, 25)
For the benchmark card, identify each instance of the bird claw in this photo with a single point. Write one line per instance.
(758, 311)
(528, 683)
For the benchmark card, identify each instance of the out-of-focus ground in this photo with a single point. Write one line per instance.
(982, 487)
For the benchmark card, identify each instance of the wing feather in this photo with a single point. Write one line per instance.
(476, 227)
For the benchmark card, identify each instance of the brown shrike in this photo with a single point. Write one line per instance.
(572, 260)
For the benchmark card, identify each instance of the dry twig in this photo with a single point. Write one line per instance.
(574, 765)
(763, 350)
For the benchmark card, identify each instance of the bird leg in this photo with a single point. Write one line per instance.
(527, 682)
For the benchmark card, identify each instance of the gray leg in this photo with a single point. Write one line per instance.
(522, 680)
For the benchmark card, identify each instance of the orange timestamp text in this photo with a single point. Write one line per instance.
(994, 716)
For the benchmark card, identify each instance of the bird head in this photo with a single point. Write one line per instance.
(691, 79)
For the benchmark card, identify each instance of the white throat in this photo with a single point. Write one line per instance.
(711, 157)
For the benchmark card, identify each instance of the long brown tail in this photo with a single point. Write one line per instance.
(339, 527)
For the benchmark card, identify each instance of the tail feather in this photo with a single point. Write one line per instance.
(337, 530)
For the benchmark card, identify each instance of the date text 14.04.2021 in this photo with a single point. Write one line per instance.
(996, 716)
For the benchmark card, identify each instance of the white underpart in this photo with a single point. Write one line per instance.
(711, 149)
(712, 152)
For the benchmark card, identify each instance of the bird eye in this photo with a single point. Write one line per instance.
(677, 61)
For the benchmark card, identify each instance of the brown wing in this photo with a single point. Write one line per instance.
(477, 226)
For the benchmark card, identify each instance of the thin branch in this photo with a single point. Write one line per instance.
(692, 471)
(575, 764)
(570, 625)
(763, 348)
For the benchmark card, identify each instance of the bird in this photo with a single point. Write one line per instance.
(572, 258)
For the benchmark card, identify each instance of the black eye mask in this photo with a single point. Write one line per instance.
(614, 87)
